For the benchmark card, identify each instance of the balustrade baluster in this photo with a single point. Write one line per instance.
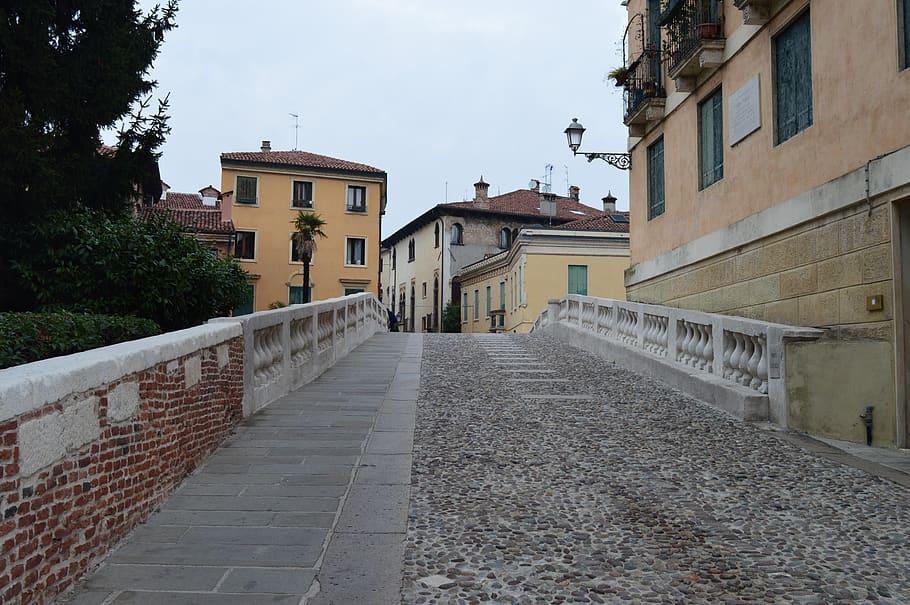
(762, 369)
(745, 378)
(709, 349)
(699, 360)
(737, 373)
(754, 381)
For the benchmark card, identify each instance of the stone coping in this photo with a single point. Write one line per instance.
(33, 385)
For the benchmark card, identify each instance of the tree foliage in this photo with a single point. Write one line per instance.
(69, 70)
(307, 227)
(451, 318)
(94, 262)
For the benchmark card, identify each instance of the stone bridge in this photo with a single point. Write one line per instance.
(306, 456)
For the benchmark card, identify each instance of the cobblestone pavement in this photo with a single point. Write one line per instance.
(542, 474)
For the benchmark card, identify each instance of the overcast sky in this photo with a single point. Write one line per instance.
(431, 91)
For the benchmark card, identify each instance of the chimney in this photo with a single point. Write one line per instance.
(480, 193)
(227, 203)
(609, 203)
(266, 146)
(574, 192)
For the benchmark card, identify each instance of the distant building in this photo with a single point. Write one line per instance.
(507, 292)
(204, 215)
(770, 179)
(420, 259)
(270, 187)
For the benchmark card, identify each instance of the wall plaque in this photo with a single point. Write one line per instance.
(744, 110)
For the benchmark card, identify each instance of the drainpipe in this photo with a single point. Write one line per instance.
(867, 420)
(442, 276)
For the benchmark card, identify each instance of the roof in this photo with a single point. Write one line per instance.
(188, 211)
(526, 202)
(603, 222)
(303, 159)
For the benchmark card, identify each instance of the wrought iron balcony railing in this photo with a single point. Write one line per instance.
(689, 26)
(643, 83)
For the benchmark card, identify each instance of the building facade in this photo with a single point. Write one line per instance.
(506, 292)
(420, 259)
(268, 188)
(771, 179)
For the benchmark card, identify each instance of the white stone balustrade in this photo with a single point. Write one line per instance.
(290, 346)
(742, 353)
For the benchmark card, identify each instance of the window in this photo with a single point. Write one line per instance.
(489, 300)
(357, 198)
(296, 296)
(423, 288)
(249, 304)
(476, 305)
(904, 9)
(302, 194)
(457, 234)
(711, 139)
(349, 291)
(464, 307)
(246, 190)
(297, 253)
(502, 295)
(436, 237)
(355, 251)
(656, 179)
(793, 79)
(578, 279)
(245, 245)
(505, 238)
(412, 251)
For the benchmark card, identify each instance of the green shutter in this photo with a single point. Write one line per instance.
(464, 307)
(656, 201)
(793, 78)
(502, 295)
(578, 279)
(489, 300)
(476, 304)
(711, 139)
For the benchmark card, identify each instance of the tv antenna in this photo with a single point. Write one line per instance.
(296, 127)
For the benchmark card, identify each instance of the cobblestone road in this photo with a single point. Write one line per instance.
(544, 475)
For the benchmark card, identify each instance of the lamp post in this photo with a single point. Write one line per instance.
(574, 132)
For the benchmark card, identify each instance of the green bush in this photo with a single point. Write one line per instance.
(27, 337)
(92, 262)
(451, 318)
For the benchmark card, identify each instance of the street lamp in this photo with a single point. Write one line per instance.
(574, 132)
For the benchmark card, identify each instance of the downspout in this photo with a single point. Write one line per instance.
(442, 279)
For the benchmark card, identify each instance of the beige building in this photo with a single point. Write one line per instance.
(420, 259)
(506, 292)
(268, 188)
(771, 179)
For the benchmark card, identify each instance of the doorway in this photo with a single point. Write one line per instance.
(900, 236)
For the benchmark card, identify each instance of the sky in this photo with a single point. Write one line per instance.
(436, 93)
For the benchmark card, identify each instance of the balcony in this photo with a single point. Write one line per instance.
(755, 12)
(695, 42)
(643, 92)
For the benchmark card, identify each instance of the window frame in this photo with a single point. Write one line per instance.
(489, 307)
(412, 250)
(505, 238)
(464, 307)
(292, 289)
(716, 99)
(255, 245)
(349, 206)
(457, 228)
(347, 291)
(903, 34)
(294, 199)
(239, 201)
(423, 289)
(476, 304)
(348, 239)
(780, 138)
(569, 279)
(653, 205)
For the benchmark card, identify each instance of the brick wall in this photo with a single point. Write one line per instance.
(79, 472)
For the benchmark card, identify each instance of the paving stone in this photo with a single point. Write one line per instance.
(375, 509)
(278, 536)
(358, 569)
(157, 577)
(206, 554)
(259, 580)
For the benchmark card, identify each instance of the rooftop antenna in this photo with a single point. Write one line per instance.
(296, 127)
(566, 166)
(547, 184)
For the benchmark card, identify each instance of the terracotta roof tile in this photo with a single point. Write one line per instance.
(602, 222)
(298, 158)
(526, 202)
(187, 210)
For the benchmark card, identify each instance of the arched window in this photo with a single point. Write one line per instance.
(412, 250)
(457, 234)
(436, 237)
(436, 303)
(394, 258)
(505, 238)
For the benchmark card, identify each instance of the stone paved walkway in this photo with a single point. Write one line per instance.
(306, 503)
(545, 475)
(540, 474)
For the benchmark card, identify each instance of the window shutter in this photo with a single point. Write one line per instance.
(793, 82)
(578, 279)
(656, 179)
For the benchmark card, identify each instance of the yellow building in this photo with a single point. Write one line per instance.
(269, 188)
(771, 179)
(507, 292)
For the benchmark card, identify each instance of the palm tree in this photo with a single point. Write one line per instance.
(307, 226)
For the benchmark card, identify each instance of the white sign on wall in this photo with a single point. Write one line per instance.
(745, 110)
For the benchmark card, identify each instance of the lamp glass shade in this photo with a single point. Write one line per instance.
(573, 134)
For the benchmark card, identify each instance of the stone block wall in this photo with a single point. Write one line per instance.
(818, 274)
(91, 444)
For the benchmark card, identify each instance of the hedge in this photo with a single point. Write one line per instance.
(27, 337)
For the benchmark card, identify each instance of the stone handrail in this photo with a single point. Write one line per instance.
(286, 348)
(743, 352)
